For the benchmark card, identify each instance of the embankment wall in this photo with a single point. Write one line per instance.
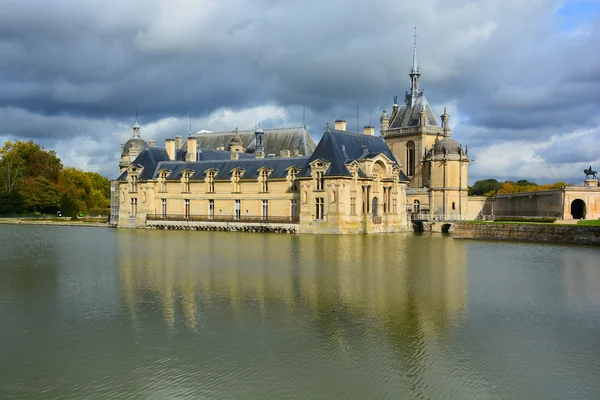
(544, 233)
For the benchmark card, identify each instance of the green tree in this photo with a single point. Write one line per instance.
(486, 187)
(39, 194)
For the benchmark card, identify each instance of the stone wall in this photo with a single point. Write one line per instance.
(550, 233)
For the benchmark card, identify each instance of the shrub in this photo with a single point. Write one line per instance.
(74, 216)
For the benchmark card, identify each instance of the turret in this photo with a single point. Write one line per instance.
(384, 123)
(445, 124)
(259, 146)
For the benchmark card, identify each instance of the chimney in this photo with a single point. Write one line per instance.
(296, 153)
(170, 146)
(285, 153)
(235, 155)
(192, 148)
(152, 143)
(340, 125)
(369, 130)
(178, 142)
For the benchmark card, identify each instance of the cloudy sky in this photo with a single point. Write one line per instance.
(521, 78)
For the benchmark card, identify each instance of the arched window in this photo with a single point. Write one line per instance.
(416, 206)
(185, 179)
(410, 158)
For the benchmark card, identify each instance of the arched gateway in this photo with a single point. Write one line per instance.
(578, 209)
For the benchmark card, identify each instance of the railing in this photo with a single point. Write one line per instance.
(436, 217)
(223, 218)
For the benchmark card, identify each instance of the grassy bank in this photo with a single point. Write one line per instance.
(590, 222)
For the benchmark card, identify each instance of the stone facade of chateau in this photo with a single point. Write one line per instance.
(350, 183)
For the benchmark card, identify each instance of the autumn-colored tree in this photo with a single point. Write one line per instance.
(39, 193)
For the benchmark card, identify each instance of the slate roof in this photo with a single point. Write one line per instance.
(408, 115)
(341, 147)
(275, 140)
(336, 147)
(278, 167)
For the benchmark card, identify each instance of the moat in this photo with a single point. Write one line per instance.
(116, 314)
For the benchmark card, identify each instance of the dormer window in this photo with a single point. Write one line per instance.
(133, 183)
(162, 179)
(292, 177)
(264, 180)
(319, 181)
(185, 179)
(210, 181)
(236, 176)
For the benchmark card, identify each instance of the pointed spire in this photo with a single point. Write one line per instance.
(136, 126)
(414, 74)
(415, 66)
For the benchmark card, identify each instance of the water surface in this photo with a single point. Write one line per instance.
(135, 314)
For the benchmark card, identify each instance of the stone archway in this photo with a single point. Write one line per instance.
(578, 209)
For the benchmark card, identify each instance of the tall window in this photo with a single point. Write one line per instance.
(395, 206)
(353, 205)
(134, 204)
(319, 208)
(293, 207)
(186, 207)
(134, 183)
(186, 181)
(416, 206)
(211, 209)
(293, 181)
(238, 209)
(235, 180)
(163, 207)
(163, 181)
(265, 209)
(453, 206)
(410, 158)
(264, 180)
(210, 181)
(320, 181)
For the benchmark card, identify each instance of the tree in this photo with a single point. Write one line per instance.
(11, 167)
(39, 193)
(486, 187)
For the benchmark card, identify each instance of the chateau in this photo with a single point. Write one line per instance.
(280, 180)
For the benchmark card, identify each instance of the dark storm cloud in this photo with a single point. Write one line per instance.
(77, 69)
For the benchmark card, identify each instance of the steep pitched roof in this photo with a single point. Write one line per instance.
(148, 159)
(341, 147)
(408, 114)
(275, 140)
(278, 167)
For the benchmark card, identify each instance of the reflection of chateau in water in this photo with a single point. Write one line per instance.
(406, 287)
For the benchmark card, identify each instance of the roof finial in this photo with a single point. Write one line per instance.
(136, 126)
(190, 127)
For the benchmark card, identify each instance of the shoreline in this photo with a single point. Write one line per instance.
(15, 221)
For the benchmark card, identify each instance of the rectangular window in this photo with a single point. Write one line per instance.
(134, 183)
(211, 209)
(395, 206)
(134, 204)
(163, 186)
(186, 207)
(186, 184)
(353, 205)
(163, 207)
(265, 209)
(238, 209)
(293, 207)
(320, 181)
(319, 208)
